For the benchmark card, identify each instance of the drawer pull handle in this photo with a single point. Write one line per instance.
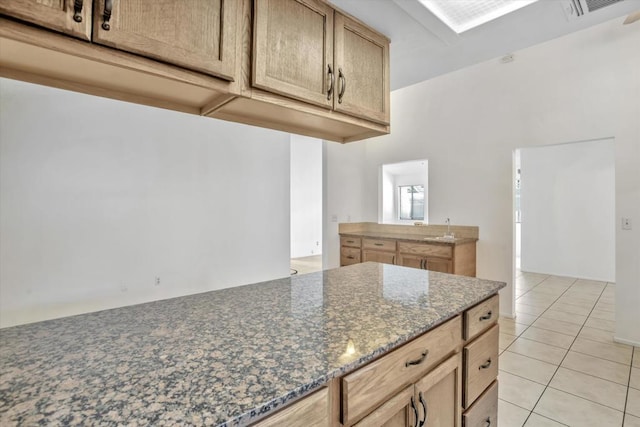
(487, 422)
(351, 257)
(424, 408)
(415, 411)
(379, 244)
(350, 241)
(486, 316)
(422, 358)
(485, 365)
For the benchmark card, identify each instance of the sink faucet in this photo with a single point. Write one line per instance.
(448, 221)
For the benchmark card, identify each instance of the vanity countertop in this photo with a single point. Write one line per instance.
(227, 357)
(411, 237)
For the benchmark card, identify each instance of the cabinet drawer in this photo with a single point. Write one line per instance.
(480, 365)
(371, 385)
(313, 410)
(379, 244)
(352, 242)
(481, 317)
(441, 251)
(484, 412)
(349, 256)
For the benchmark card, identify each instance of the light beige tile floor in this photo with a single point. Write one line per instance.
(308, 264)
(559, 365)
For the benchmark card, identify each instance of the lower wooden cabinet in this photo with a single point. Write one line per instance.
(434, 400)
(484, 412)
(452, 258)
(427, 382)
(481, 365)
(378, 256)
(313, 410)
(440, 393)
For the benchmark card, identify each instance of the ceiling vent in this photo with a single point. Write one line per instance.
(574, 9)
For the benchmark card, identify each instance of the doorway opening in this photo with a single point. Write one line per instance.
(564, 209)
(306, 204)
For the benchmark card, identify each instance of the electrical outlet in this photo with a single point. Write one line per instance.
(626, 223)
(157, 281)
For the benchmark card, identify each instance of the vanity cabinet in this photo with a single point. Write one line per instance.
(445, 257)
(305, 50)
(350, 250)
(427, 256)
(72, 17)
(379, 250)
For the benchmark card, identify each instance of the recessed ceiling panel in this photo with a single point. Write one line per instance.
(462, 15)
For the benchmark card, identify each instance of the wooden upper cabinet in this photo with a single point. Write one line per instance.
(293, 49)
(71, 17)
(362, 71)
(197, 34)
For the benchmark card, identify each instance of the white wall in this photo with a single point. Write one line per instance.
(306, 196)
(568, 210)
(582, 86)
(342, 193)
(100, 197)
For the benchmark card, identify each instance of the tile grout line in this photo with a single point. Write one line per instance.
(593, 307)
(528, 326)
(626, 399)
(565, 356)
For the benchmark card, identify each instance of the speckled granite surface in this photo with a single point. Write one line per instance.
(411, 237)
(226, 357)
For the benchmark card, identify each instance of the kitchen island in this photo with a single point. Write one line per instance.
(227, 357)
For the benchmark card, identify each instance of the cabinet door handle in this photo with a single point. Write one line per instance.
(424, 408)
(393, 260)
(415, 411)
(343, 86)
(487, 422)
(418, 361)
(485, 365)
(332, 79)
(351, 257)
(106, 15)
(77, 10)
(486, 316)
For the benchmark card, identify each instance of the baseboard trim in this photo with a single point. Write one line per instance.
(625, 341)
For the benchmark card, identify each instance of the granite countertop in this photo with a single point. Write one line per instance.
(226, 357)
(411, 237)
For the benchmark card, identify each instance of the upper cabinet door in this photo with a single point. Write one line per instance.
(362, 71)
(293, 49)
(72, 17)
(196, 34)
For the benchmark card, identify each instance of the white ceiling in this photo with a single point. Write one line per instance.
(423, 47)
